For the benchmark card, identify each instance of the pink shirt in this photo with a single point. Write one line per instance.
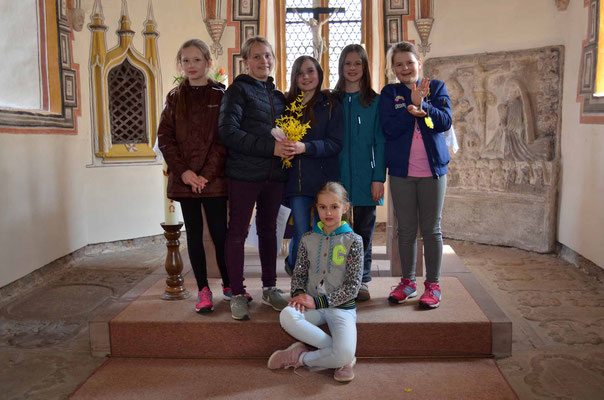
(419, 167)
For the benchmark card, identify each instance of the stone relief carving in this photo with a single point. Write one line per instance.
(506, 109)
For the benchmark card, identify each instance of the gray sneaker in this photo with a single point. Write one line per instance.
(273, 298)
(363, 292)
(239, 307)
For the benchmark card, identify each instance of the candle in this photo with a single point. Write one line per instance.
(170, 217)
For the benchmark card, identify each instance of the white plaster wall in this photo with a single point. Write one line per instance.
(581, 214)
(43, 210)
(53, 201)
(474, 26)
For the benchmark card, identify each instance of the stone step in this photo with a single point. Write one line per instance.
(151, 379)
(151, 327)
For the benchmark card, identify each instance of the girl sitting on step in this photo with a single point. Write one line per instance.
(325, 283)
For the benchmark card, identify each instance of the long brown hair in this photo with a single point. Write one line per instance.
(367, 94)
(294, 91)
(181, 106)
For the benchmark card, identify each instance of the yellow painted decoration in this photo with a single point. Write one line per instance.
(338, 256)
(291, 125)
(102, 61)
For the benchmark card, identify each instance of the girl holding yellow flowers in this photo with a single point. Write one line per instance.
(414, 114)
(315, 160)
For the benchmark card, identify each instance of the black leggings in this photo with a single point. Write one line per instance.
(216, 216)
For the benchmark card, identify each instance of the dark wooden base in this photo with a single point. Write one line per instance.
(175, 289)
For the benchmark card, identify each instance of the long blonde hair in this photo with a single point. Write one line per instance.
(181, 106)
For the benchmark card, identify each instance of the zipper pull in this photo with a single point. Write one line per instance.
(359, 117)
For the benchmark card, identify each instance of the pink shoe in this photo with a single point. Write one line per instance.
(346, 373)
(227, 293)
(431, 297)
(403, 291)
(288, 357)
(204, 301)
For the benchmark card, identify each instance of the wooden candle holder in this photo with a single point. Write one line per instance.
(175, 289)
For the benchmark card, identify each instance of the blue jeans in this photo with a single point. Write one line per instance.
(301, 207)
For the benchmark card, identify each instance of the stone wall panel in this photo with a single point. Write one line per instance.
(503, 182)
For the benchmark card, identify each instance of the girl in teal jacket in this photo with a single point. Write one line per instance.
(362, 165)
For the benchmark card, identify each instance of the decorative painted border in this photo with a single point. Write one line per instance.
(592, 108)
(244, 15)
(63, 107)
(397, 7)
(397, 15)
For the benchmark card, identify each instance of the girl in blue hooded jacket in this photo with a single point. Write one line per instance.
(414, 114)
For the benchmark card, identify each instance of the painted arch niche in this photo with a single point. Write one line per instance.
(125, 90)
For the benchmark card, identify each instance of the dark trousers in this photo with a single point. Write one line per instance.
(242, 198)
(363, 221)
(216, 216)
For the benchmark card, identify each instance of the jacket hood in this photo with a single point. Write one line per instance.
(344, 228)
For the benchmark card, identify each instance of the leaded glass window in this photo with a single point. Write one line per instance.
(127, 94)
(344, 29)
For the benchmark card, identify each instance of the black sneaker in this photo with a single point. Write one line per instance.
(289, 270)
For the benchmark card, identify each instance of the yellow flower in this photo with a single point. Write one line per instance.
(429, 122)
(291, 125)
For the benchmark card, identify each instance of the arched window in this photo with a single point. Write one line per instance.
(294, 36)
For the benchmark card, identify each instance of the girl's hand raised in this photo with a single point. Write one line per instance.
(302, 302)
(419, 92)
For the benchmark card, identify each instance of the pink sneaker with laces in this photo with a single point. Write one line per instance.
(288, 357)
(346, 373)
(403, 291)
(204, 301)
(431, 297)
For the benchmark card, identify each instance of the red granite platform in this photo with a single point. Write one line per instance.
(150, 327)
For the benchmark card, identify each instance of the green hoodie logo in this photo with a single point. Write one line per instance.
(339, 254)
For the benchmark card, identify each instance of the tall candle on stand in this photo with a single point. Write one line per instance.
(170, 217)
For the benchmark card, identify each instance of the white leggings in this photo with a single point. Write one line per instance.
(333, 351)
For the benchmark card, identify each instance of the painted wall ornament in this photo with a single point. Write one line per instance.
(77, 15)
(211, 13)
(562, 5)
(423, 24)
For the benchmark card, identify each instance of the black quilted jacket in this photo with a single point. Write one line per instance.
(248, 112)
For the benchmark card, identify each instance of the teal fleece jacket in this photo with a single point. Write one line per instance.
(362, 159)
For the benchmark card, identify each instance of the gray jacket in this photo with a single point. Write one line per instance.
(329, 267)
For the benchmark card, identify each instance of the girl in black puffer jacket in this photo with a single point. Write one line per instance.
(248, 112)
